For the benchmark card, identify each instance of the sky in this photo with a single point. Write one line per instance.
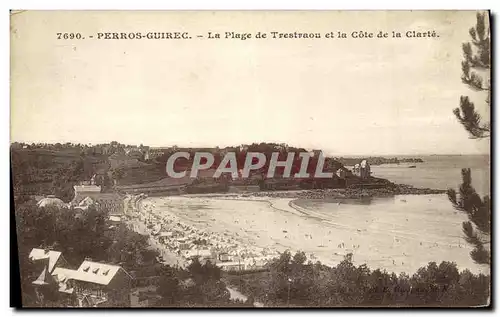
(344, 96)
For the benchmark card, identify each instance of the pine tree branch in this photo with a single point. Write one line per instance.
(474, 81)
(470, 235)
(470, 119)
(452, 196)
(480, 26)
(480, 35)
(477, 210)
(479, 254)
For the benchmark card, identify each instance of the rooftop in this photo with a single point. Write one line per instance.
(51, 201)
(95, 272)
(41, 254)
(92, 272)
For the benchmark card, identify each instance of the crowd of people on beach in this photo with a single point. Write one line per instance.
(179, 242)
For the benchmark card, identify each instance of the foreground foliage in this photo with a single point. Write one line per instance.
(292, 281)
(477, 62)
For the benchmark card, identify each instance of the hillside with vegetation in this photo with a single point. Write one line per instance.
(378, 160)
(53, 169)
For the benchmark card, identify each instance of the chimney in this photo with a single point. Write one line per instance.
(87, 258)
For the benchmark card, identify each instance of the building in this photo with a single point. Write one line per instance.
(86, 195)
(224, 257)
(45, 262)
(48, 260)
(85, 189)
(113, 219)
(152, 153)
(95, 284)
(362, 170)
(231, 266)
(365, 170)
(202, 254)
(342, 175)
(85, 203)
(51, 201)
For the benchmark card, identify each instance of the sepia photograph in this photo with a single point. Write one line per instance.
(251, 159)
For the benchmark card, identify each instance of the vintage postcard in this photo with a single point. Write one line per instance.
(251, 158)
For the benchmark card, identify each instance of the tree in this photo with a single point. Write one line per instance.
(477, 229)
(107, 183)
(63, 188)
(169, 288)
(475, 60)
(118, 174)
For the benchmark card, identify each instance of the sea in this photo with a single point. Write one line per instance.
(417, 228)
(439, 172)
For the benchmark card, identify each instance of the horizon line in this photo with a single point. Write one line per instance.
(329, 153)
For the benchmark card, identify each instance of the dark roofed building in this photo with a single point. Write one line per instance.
(96, 284)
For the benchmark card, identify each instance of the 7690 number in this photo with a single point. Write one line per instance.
(69, 36)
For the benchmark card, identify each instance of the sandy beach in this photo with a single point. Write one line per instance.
(387, 234)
